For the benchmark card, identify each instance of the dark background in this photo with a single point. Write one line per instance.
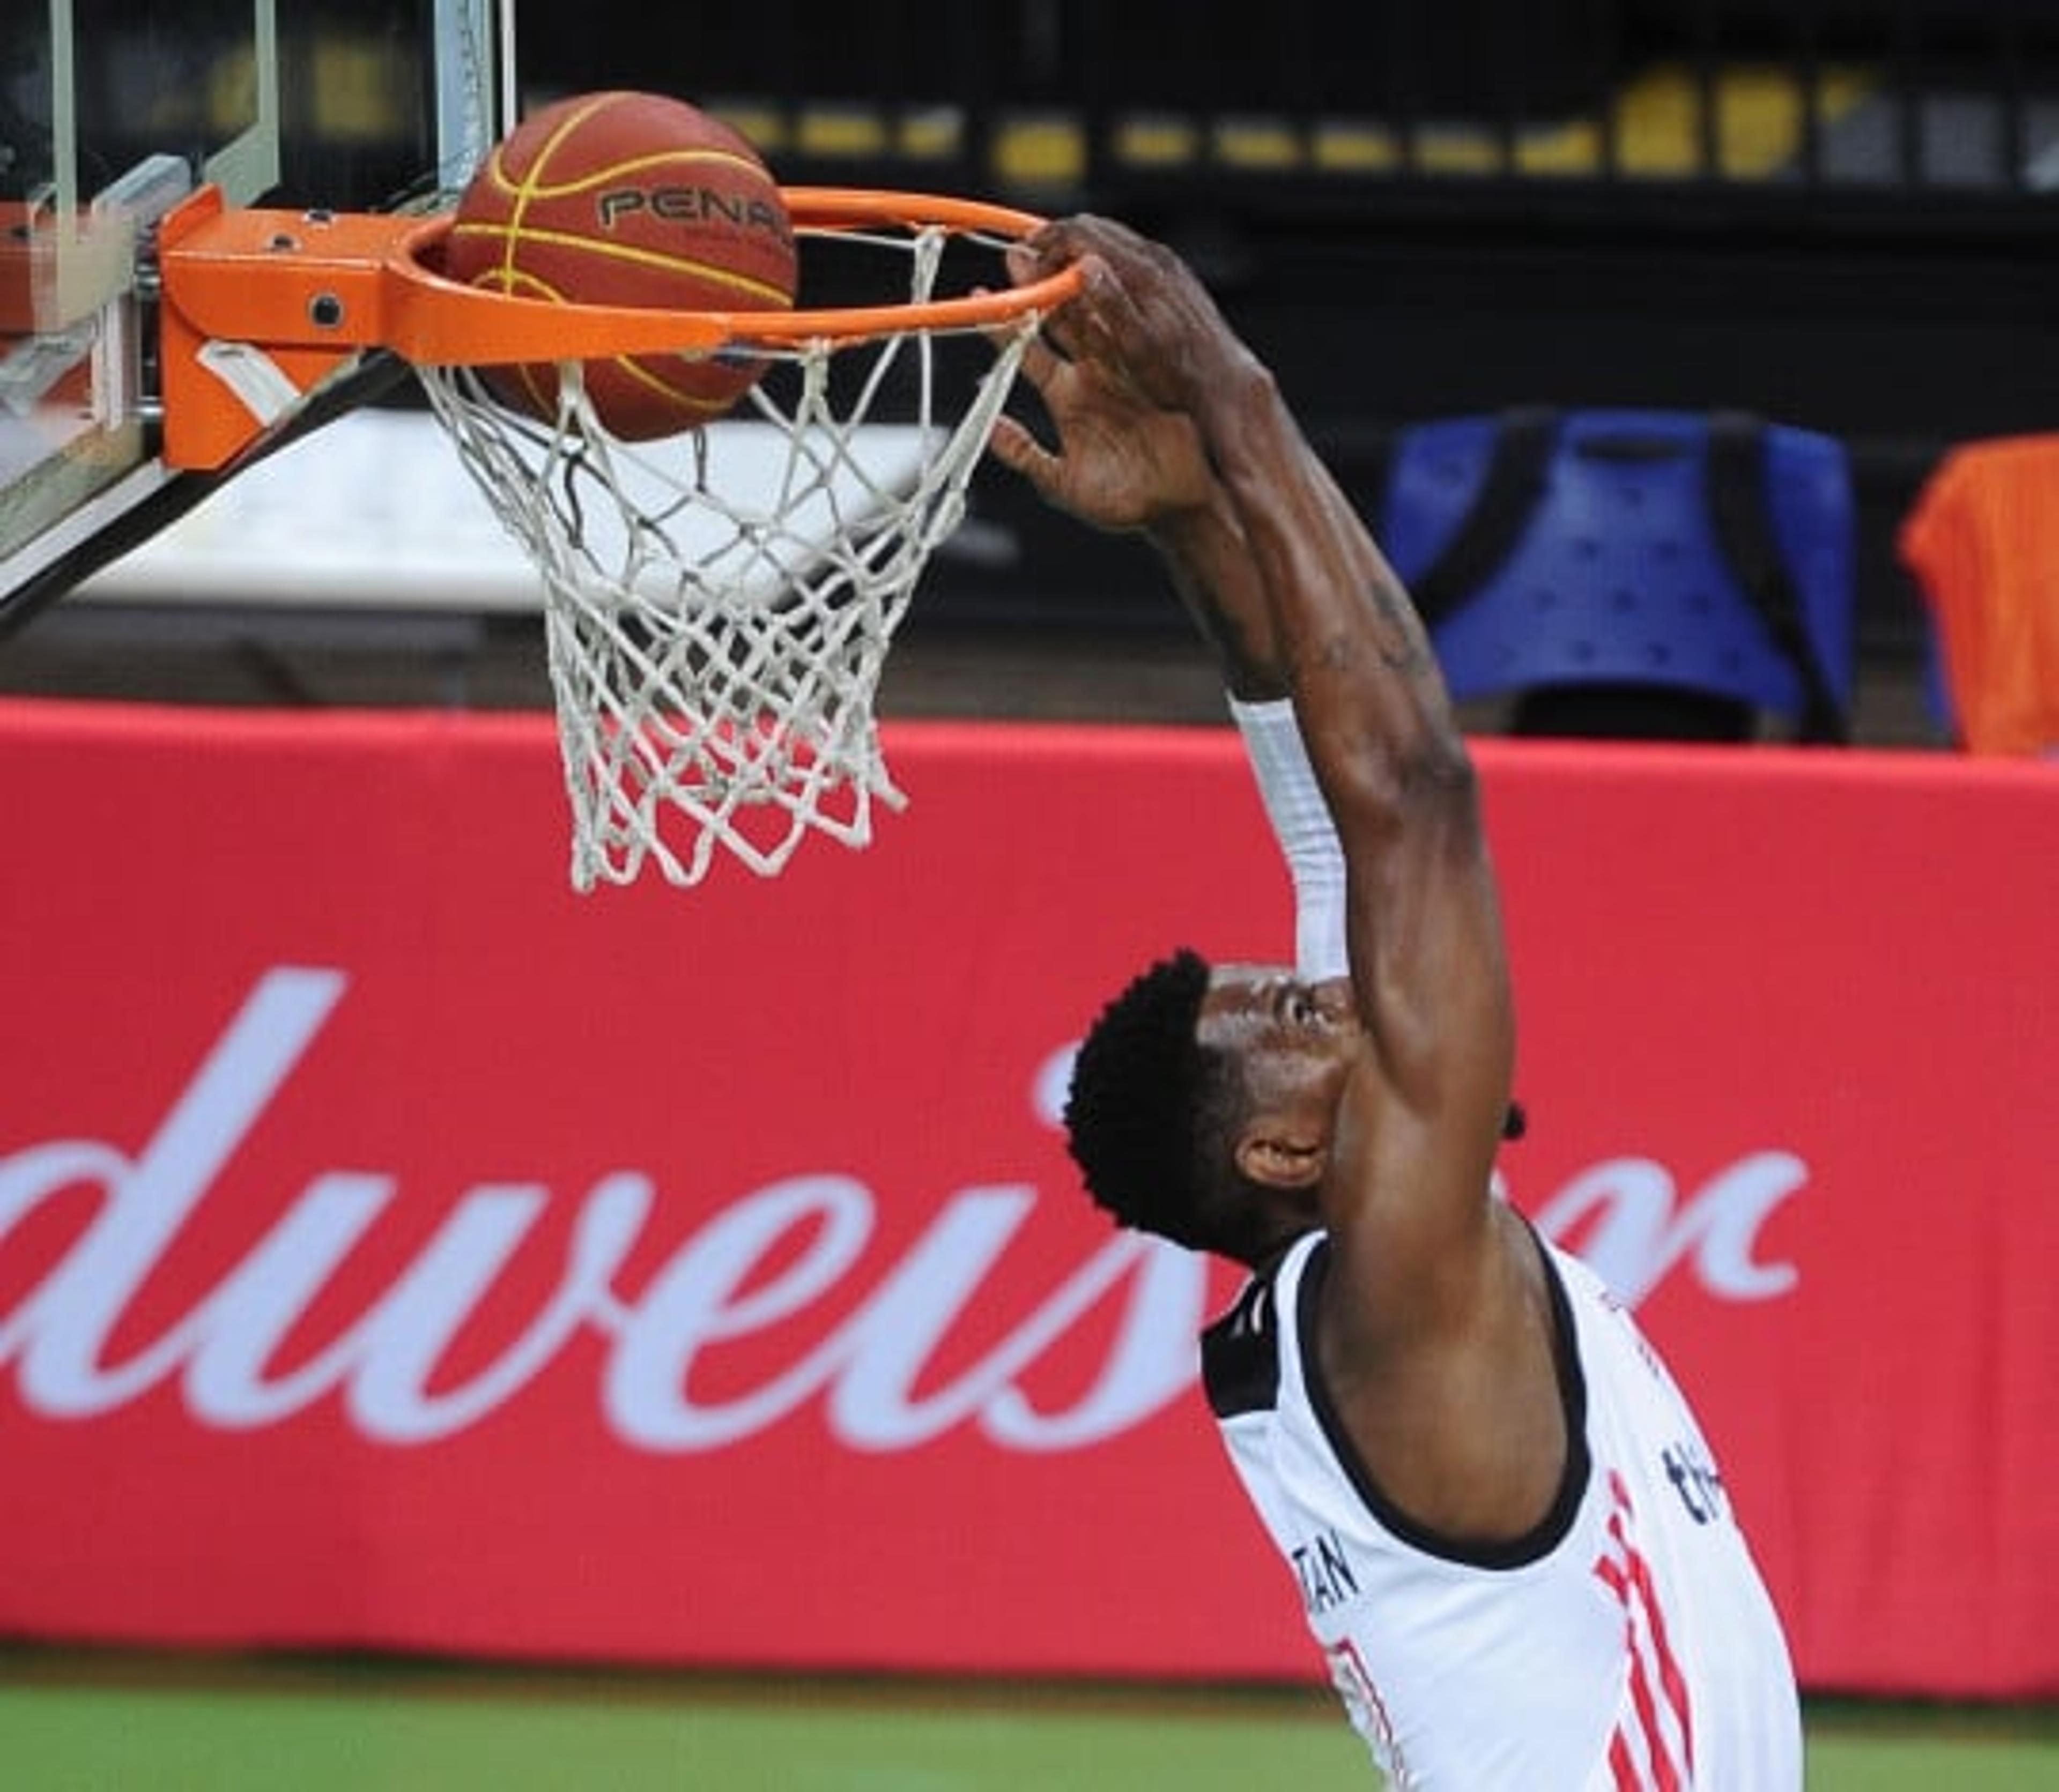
(1837, 213)
(1890, 281)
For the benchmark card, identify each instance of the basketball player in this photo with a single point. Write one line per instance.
(1511, 1539)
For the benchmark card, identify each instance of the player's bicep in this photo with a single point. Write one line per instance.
(1431, 977)
(1431, 973)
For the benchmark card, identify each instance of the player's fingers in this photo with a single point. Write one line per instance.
(1041, 362)
(1052, 245)
(1114, 332)
(1107, 303)
(1078, 327)
(1061, 332)
(1012, 445)
(1068, 330)
(1024, 261)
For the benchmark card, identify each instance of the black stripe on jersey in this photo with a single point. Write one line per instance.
(1241, 1354)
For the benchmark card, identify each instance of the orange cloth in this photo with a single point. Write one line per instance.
(1982, 541)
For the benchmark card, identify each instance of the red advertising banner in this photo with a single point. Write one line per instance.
(399, 1250)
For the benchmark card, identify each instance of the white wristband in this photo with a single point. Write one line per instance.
(1307, 836)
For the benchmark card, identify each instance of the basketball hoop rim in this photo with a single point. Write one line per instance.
(438, 321)
(303, 292)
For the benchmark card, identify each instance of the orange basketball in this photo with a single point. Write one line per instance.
(628, 199)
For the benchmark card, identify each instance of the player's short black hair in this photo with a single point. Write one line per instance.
(1148, 1113)
(1152, 1111)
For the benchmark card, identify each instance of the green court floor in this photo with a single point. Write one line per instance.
(69, 1723)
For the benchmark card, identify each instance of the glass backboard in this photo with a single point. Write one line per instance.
(110, 112)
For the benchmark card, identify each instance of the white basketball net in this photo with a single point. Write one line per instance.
(714, 657)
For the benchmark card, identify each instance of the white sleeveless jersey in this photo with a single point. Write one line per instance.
(1628, 1642)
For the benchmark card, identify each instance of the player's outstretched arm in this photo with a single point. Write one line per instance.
(1420, 1123)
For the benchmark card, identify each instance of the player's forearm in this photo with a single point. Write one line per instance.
(1211, 567)
(1211, 564)
(1347, 640)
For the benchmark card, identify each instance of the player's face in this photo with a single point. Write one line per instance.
(1295, 1039)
